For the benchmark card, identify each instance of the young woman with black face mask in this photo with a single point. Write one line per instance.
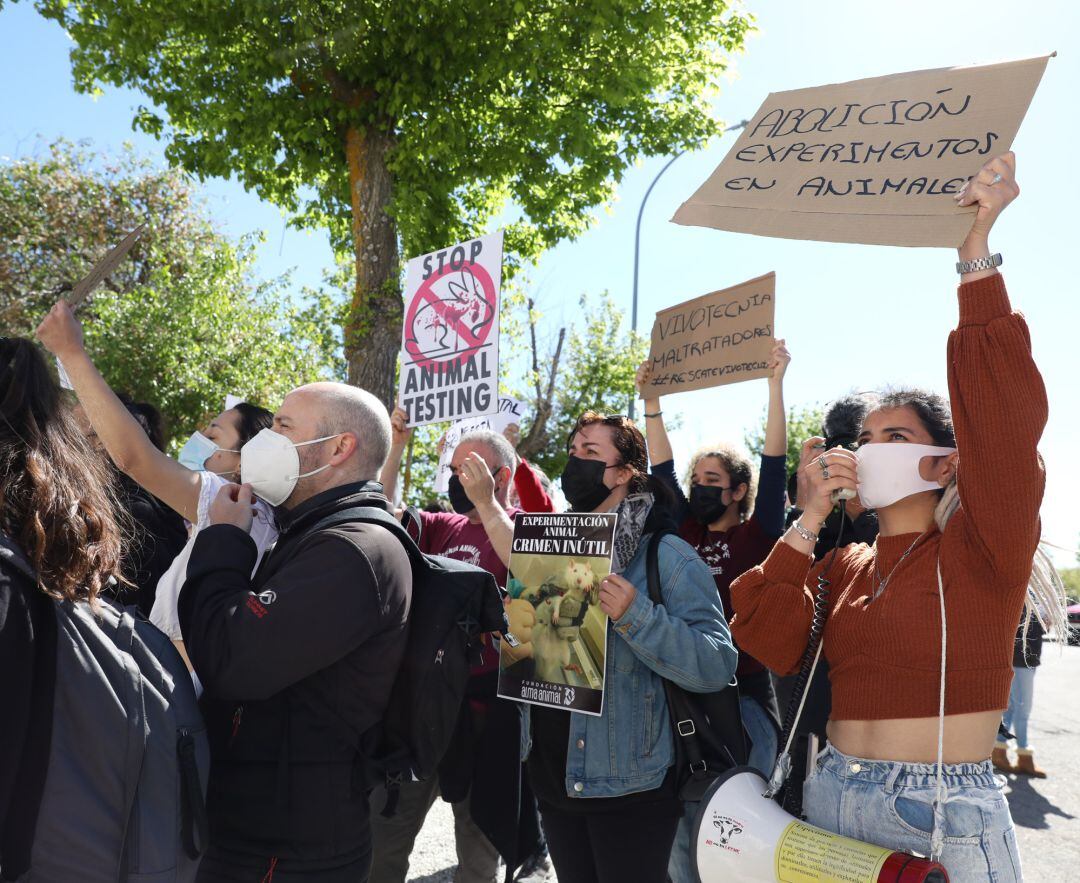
(733, 522)
(606, 784)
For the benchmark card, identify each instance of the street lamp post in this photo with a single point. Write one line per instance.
(637, 247)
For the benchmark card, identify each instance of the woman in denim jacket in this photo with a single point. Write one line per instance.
(606, 785)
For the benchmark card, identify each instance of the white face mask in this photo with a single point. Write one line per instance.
(271, 465)
(889, 472)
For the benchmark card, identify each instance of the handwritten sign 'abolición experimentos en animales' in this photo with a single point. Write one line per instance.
(450, 336)
(719, 338)
(874, 161)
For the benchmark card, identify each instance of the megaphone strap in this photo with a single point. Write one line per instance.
(937, 835)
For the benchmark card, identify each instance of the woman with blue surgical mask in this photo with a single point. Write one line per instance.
(208, 460)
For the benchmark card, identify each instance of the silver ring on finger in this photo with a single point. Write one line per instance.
(996, 179)
(825, 473)
(823, 463)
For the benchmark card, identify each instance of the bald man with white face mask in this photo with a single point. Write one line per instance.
(297, 661)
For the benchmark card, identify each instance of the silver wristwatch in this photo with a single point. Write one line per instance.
(987, 263)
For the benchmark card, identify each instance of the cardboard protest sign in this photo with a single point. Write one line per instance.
(873, 161)
(450, 337)
(510, 411)
(103, 268)
(557, 646)
(719, 338)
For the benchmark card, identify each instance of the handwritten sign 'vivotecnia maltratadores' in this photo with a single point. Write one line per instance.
(715, 339)
(874, 161)
(450, 336)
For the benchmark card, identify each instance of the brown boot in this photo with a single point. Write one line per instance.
(1000, 759)
(1025, 764)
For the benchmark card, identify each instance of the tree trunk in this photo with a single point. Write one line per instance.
(373, 326)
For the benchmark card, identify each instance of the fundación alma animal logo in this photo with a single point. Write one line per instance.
(726, 828)
(568, 696)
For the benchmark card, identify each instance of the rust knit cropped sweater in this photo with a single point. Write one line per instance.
(884, 657)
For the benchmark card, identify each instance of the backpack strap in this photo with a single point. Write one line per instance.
(682, 719)
(370, 515)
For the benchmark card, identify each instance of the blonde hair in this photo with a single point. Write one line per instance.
(1045, 599)
(737, 465)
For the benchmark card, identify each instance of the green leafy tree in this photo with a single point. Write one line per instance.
(183, 321)
(409, 126)
(802, 423)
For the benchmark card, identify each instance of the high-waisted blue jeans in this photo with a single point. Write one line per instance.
(892, 805)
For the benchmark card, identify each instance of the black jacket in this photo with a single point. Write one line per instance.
(160, 535)
(27, 688)
(1028, 654)
(297, 663)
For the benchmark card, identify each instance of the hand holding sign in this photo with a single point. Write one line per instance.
(779, 359)
(400, 431)
(992, 189)
(60, 332)
(616, 595)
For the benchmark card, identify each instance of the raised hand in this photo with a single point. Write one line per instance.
(60, 332)
(779, 359)
(992, 189)
(399, 432)
(643, 376)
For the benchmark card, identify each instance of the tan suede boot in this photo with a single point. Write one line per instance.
(1000, 759)
(1025, 764)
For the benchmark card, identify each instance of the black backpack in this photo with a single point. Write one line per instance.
(707, 727)
(453, 605)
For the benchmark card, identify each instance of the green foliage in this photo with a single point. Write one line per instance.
(597, 374)
(802, 423)
(543, 104)
(183, 321)
(1070, 576)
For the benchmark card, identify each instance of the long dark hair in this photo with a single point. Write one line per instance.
(56, 493)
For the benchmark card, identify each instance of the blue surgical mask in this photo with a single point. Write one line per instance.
(197, 450)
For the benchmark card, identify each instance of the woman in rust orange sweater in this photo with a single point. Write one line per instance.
(889, 775)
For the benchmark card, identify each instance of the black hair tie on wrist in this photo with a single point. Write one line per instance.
(657, 414)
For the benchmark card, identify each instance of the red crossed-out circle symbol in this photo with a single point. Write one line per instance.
(447, 329)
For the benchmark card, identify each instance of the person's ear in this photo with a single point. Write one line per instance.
(947, 468)
(344, 448)
(623, 475)
(741, 491)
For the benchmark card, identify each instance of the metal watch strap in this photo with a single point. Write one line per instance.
(986, 263)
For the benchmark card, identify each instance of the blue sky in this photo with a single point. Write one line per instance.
(854, 316)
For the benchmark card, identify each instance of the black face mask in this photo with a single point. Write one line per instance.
(583, 483)
(706, 503)
(459, 500)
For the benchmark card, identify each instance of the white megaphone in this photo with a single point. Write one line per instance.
(742, 835)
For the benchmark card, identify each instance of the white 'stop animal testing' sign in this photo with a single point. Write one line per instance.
(450, 336)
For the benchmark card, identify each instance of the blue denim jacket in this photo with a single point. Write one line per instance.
(629, 747)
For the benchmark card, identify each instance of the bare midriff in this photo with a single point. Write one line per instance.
(969, 738)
